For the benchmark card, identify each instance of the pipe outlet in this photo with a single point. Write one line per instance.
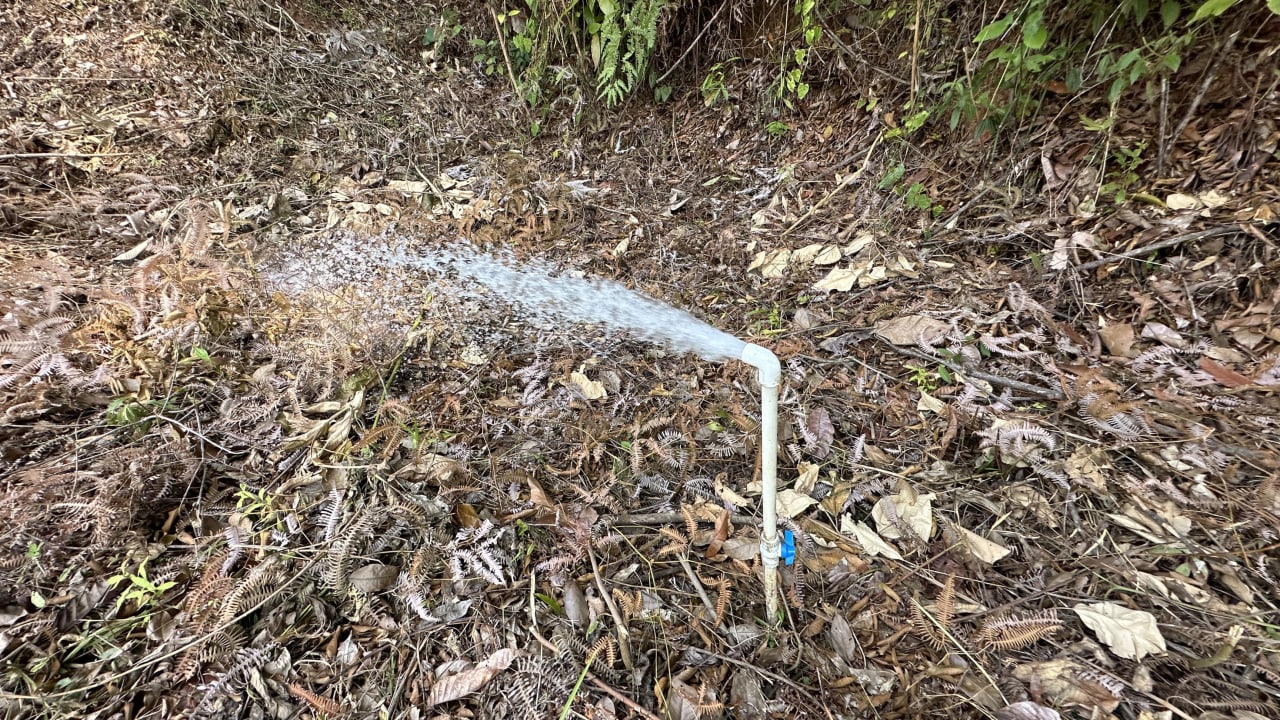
(764, 361)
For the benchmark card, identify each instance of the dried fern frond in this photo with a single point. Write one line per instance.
(319, 703)
(679, 542)
(934, 630)
(690, 522)
(1001, 346)
(722, 601)
(603, 647)
(1127, 423)
(336, 571)
(1013, 632)
(474, 553)
(629, 603)
(247, 661)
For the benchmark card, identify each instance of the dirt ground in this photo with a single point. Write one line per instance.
(252, 465)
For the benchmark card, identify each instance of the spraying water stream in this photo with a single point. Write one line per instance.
(538, 293)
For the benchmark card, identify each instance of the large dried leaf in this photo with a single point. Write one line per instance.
(806, 254)
(747, 697)
(867, 538)
(840, 635)
(907, 507)
(374, 577)
(1118, 339)
(576, 608)
(1131, 634)
(807, 478)
(771, 263)
(588, 388)
(685, 702)
(981, 548)
(912, 329)
(873, 680)
(1224, 375)
(1061, 257)
(792, 503)
(431, 468)
(1067, 682)
(460, 684)
(821, 429)
(840, 279)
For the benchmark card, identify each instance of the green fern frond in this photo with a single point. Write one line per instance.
(627, 39)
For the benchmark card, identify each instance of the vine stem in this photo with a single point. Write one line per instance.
(683, 55)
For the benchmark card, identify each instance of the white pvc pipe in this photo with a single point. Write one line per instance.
(770, 541)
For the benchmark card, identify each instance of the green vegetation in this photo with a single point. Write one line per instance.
(993, 67)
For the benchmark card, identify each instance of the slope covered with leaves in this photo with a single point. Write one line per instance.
(250, 467)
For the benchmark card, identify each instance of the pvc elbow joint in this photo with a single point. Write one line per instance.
(764, 361)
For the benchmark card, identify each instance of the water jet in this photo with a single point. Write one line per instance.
(541, 293)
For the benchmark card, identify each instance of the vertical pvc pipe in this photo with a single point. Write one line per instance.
(770, 541)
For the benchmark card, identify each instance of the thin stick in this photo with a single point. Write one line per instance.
(856, 56)
(1164, 124)
(1166, 243)
(624, 635)
(502, 40)
(1209, 75)
(687, 50)
(807, 692)
(596, 681)
(915, 54)
(669, 518)
(844, 182)
(697, 584)
(43, 78)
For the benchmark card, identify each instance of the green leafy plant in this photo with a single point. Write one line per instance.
(141, 590)
(789, 85)
(923, 378)
(1123, 174)
(909, 126)
(777, 128)
(713, 88)
(259, 507)
(124, 411)
(447, 28)
(492, 55)
(914, 195)
(768, 321)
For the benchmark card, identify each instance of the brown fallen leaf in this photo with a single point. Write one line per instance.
(1118, 339)
(1067, 682)
(821, 431)
(374, 577)
(912, 329)
(1224, 375)
(461, 684)
(724, 528)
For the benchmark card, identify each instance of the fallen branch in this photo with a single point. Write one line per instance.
(26, 156)
(1163, 244)
(978, 375)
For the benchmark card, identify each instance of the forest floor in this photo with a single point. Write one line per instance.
(1030, 425)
